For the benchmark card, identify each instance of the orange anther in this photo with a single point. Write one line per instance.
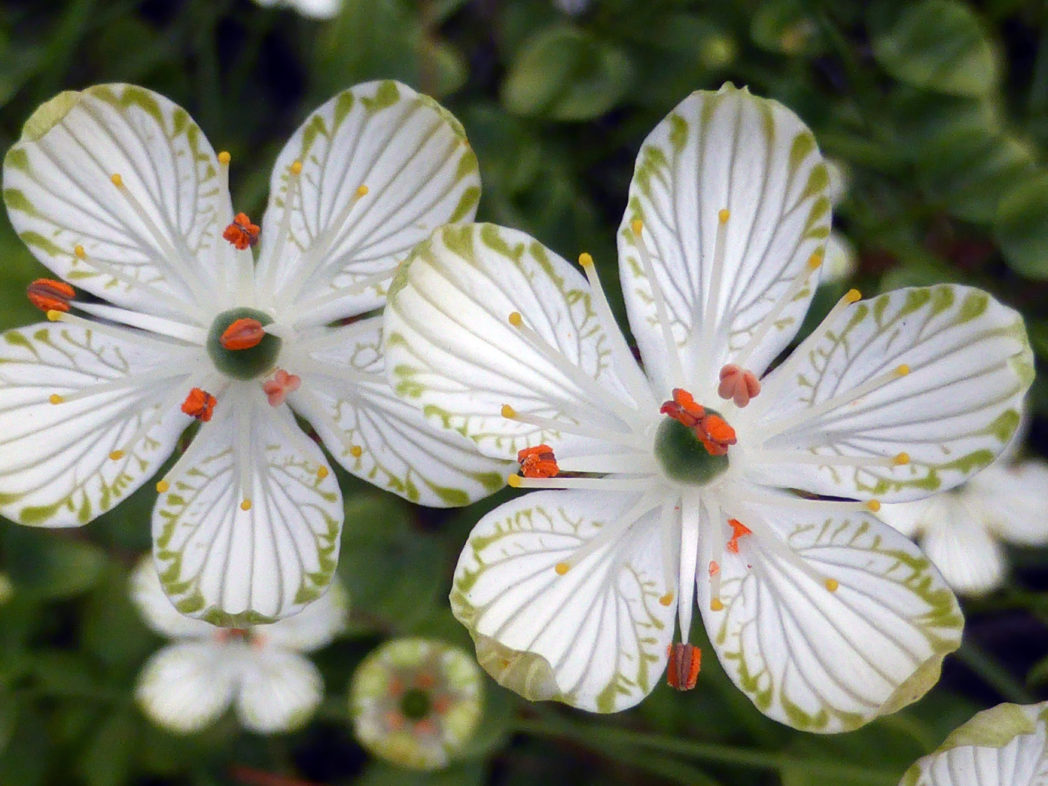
(394, 720)
(243, 334)
(441, 704)
(738, 384)
(50, 295)
(683, 408)
(683, 670)
(538, 462)
(425, 680)
(715, 434)
(241, 233)
(276, 389)
(425, 726)
(738, 530)
(714, 568)
(199, 404)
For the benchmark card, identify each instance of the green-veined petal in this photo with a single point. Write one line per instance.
(156, 608)
(279, 689)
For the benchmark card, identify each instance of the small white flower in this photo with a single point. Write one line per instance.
(1006, 745)
(316, 9)
(117, 190)
(822, 614)
(186, 685)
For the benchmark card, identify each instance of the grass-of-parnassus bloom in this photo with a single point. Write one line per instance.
(416, 702)
(174, 322)
(314, 9)
(706, 477)
(260, 670)
(1006, 745)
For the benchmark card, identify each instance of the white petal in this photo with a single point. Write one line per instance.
(451, 350)
(822, 660)
(400, 450)
(594, 637)
(184, 687)
(840, 261)
(420, 172)
(156, 608)
(55, 468)
(956, 539)
(279, 690)
(755, 158)
(906, 517)
(314, 627)
(841, 394)
(236, 567)
(1012, 499)
(59, 194)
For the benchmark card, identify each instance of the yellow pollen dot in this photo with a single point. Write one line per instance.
(666, 599)
(585, 260)
(873, 505)
(513, 481)
(117, 180)
(832, 584)
(562, 568)
(322, 472)
(716, 605)
(296, 168)
(224, 158)
(901, 458)
(515, 319)
(54, 315)
(723, 215)
(362, 191)
(853, 295)
(79, 251)
(637, 226)
(245, 505)
(902, 370)
(508, 412)
(162, 486)
(815, 261)
(356, 451)
(54, 398)
(116, 455)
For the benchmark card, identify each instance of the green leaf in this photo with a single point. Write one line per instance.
(782, 26)
(44, 564)
(1021, 228)
(106, 760)
(939, 45)
(566, 74)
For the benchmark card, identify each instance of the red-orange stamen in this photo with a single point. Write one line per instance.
(50, 295)
(243, 334)
(199, 404)
(738, 384)
(241, 233)
(683, 408)
(685, 662)
(738, 530)
(710, 429)
(538, 462)
(714, 568)
(276, 389)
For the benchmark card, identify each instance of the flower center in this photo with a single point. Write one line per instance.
(415, 704)
(238, 352)
(691, 445)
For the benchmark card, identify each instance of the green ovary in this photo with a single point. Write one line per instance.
(415, 704)
(683, 457)
(242, 363)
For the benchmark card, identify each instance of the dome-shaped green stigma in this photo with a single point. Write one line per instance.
(415, 704)
(683, 457)
(242, 363)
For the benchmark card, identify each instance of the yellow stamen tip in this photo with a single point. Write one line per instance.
(54, 315)
(362, 191)
(162, 486)
(902, 370)
(723, 215)
(245, 505)
(296, 168)
(224, 158)
(516, 319)
(716, 605)
(562, 568)
(815, 261)
(832, 584)
(585, 260)
(116, 455)
(322, 472)
(513, 481)
(79, 251)
(853, 295)
(637, 226)
(873, 505)
(666, 599)
(508, 412)
(356, 451)
(901, 458)
(54, 398)
(117, 180)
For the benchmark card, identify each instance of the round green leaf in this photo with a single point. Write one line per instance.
(1021, 228)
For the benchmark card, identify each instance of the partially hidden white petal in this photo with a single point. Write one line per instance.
(184, 687)
(822, 660)
(1012, 499)
(279, 690)
(59, 194)
(957, 540)
(156, 608)
(451, 350)
(934, 376)
(314, 627)
(234, 566)
(55, 465)
(419, 172)
(382, 439)
(594, 637)
(906, 517)
(724, 150)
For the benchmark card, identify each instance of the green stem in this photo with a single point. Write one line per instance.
(993, 674)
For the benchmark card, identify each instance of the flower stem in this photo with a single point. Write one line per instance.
(993, 674)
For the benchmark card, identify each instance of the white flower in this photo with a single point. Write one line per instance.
(186, 685)
(823, 615)
(316, 9)
(960, 530)
(116, 190)
(1006, 745)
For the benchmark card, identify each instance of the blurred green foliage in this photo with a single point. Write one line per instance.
(938, 112)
